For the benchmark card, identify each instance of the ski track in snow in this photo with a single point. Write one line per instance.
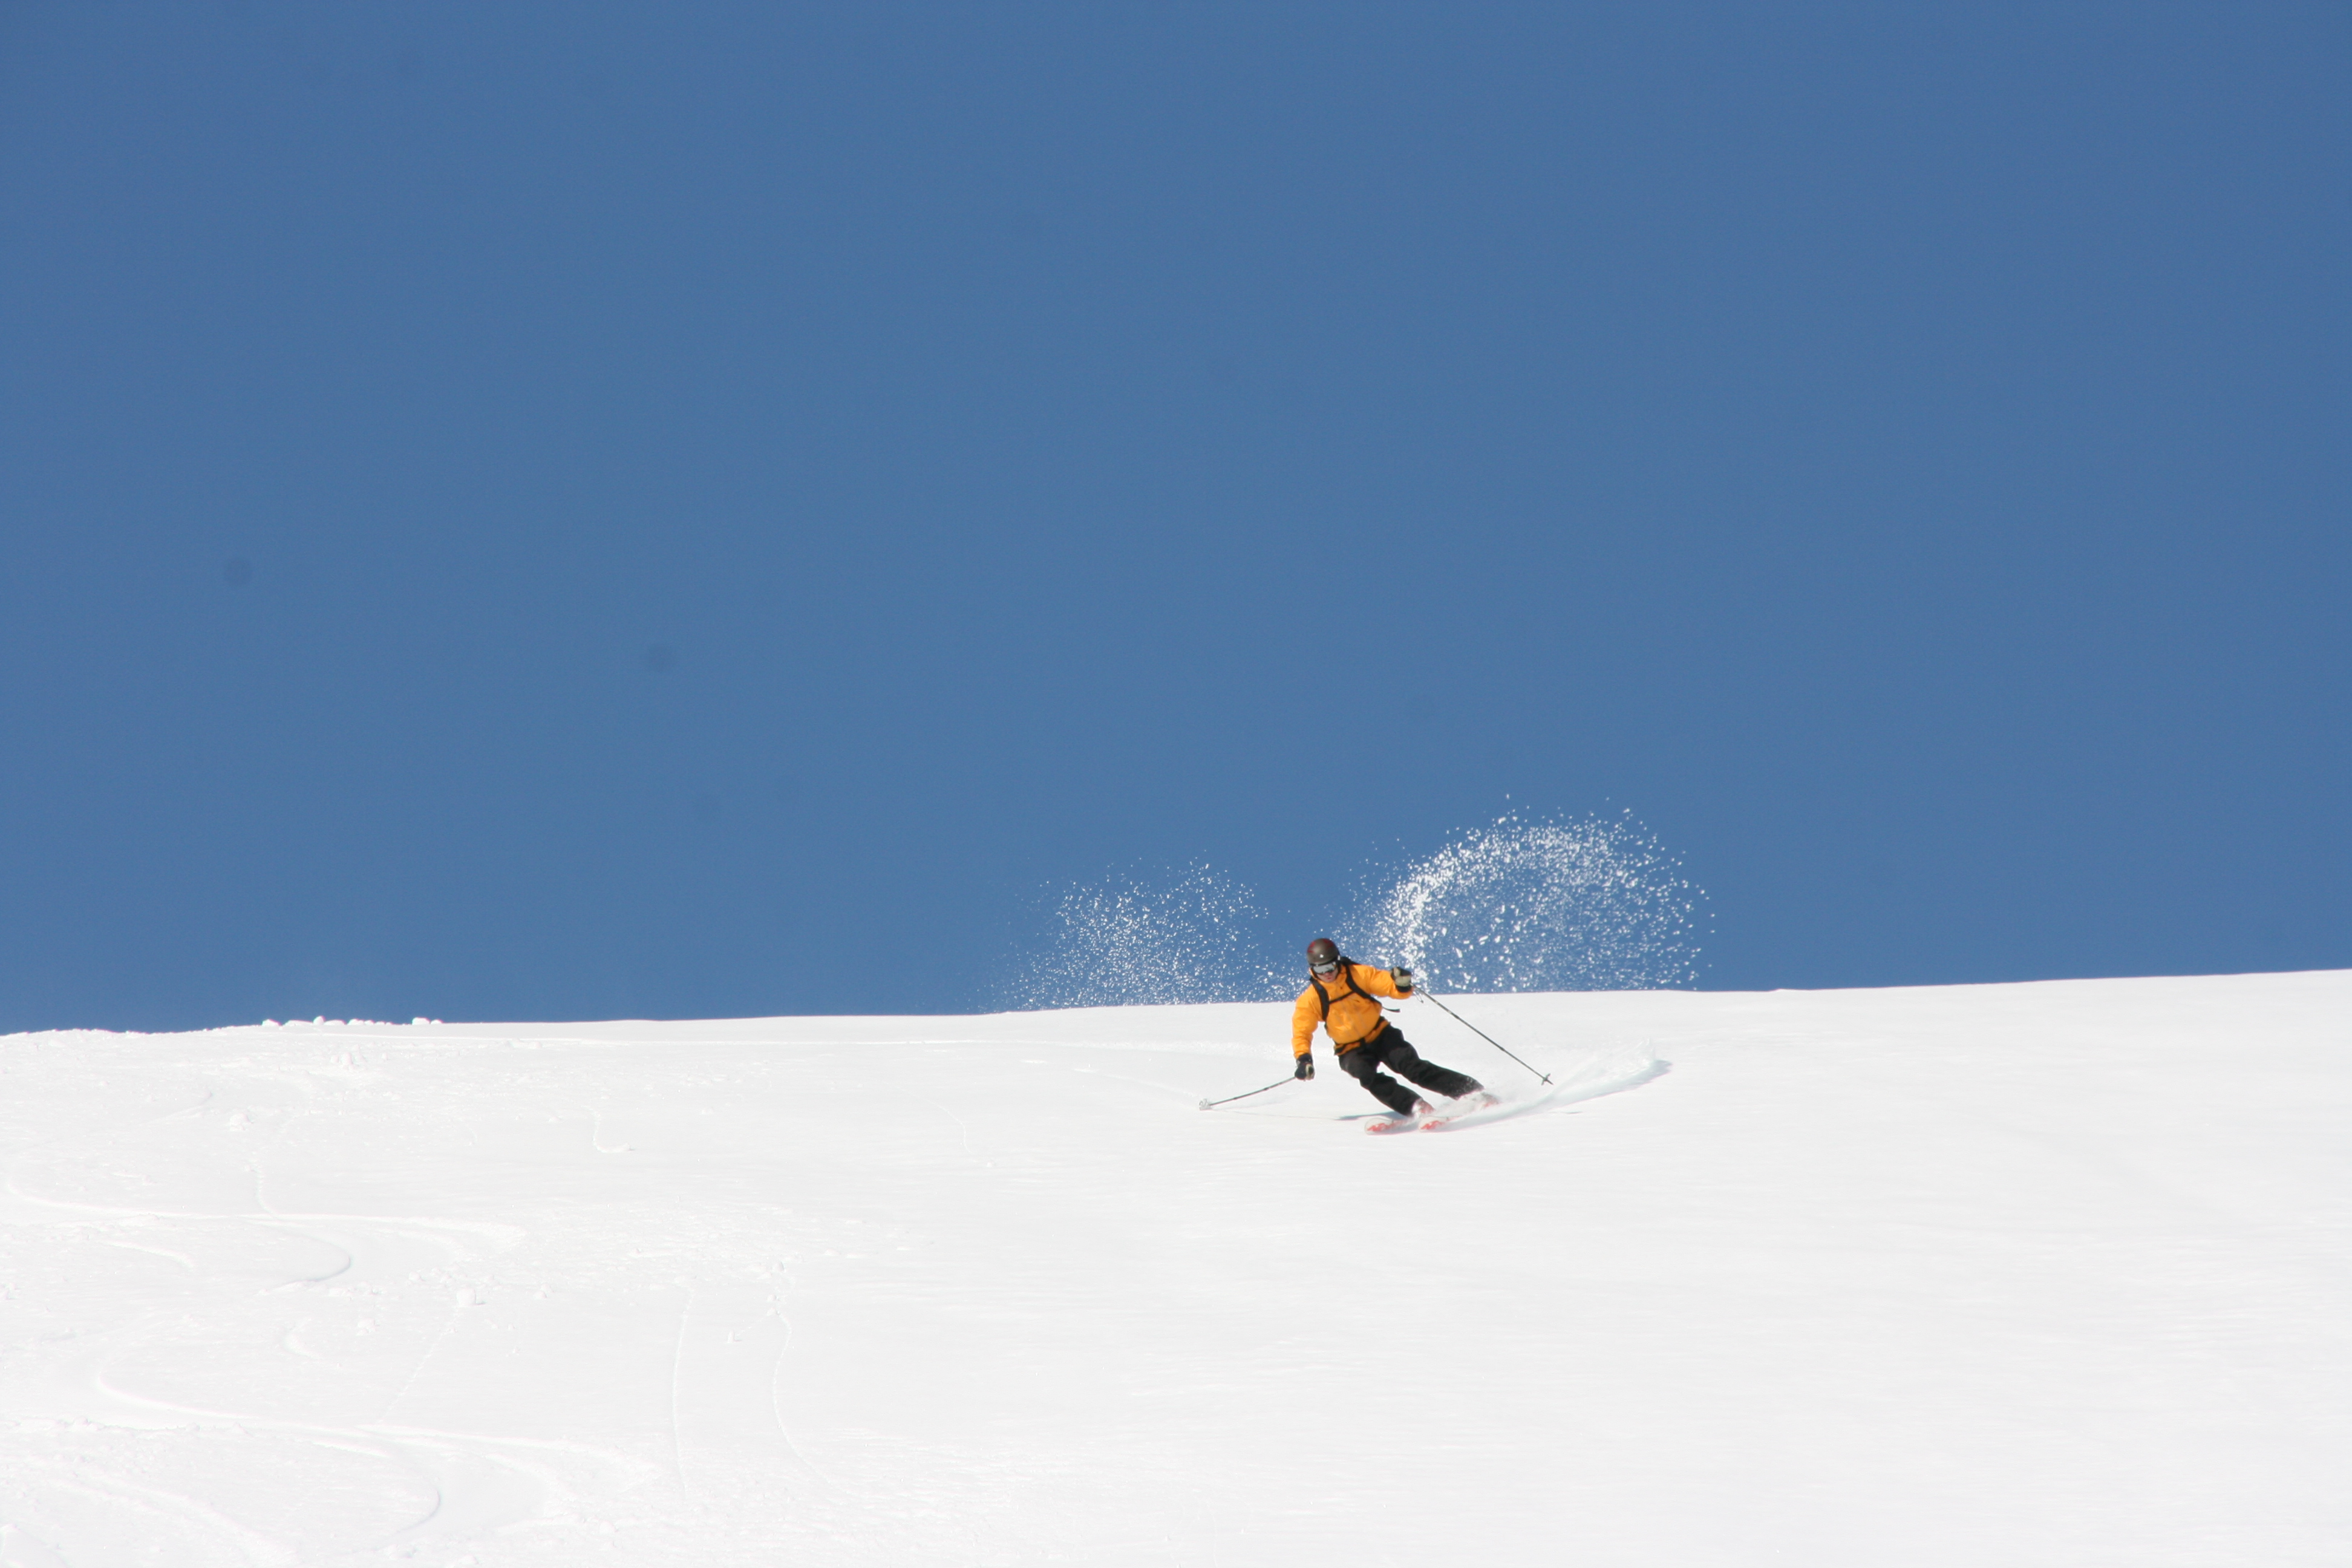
(473, 1482)
(472, 1475)
(2008, 1273)
(1566, 1090)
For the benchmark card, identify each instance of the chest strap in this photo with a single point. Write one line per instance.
(1348, 973)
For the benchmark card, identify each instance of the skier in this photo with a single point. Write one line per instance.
(1338, 996)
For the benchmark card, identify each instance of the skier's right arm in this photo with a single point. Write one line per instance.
(1303, 1019)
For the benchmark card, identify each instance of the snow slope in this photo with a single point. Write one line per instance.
(2028, 1274)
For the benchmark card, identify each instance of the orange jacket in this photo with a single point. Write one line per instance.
(1354, 1018)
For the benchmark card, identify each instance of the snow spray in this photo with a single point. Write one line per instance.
(1131, 941)
(1591, 904)
(1594, 904)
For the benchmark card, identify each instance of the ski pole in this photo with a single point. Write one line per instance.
(1277, 1083)
(1484, 1035)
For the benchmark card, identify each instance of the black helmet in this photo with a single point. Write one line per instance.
(1323, 955)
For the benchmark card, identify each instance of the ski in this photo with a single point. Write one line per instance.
(1400, 1125)
(1433, 1121)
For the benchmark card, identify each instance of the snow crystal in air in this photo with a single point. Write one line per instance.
(1593, 904)
(1132, 942)
(1589, 905)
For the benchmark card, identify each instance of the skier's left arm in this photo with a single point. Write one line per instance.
(1396, 983)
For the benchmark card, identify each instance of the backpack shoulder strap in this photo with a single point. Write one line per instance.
(1359, 990)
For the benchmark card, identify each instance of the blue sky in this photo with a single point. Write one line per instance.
(562, 511)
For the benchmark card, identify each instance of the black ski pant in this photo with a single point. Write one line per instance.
(1391, 1049)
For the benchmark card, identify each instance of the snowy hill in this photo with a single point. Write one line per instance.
(2030, 1274)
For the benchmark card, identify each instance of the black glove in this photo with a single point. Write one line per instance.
(1403, 976)
(1306, 1067)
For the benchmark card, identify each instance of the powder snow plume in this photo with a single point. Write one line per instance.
(1594, 904)
(1591, 904)
(1133, 942)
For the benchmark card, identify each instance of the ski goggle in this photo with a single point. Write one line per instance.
(1325, 966)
